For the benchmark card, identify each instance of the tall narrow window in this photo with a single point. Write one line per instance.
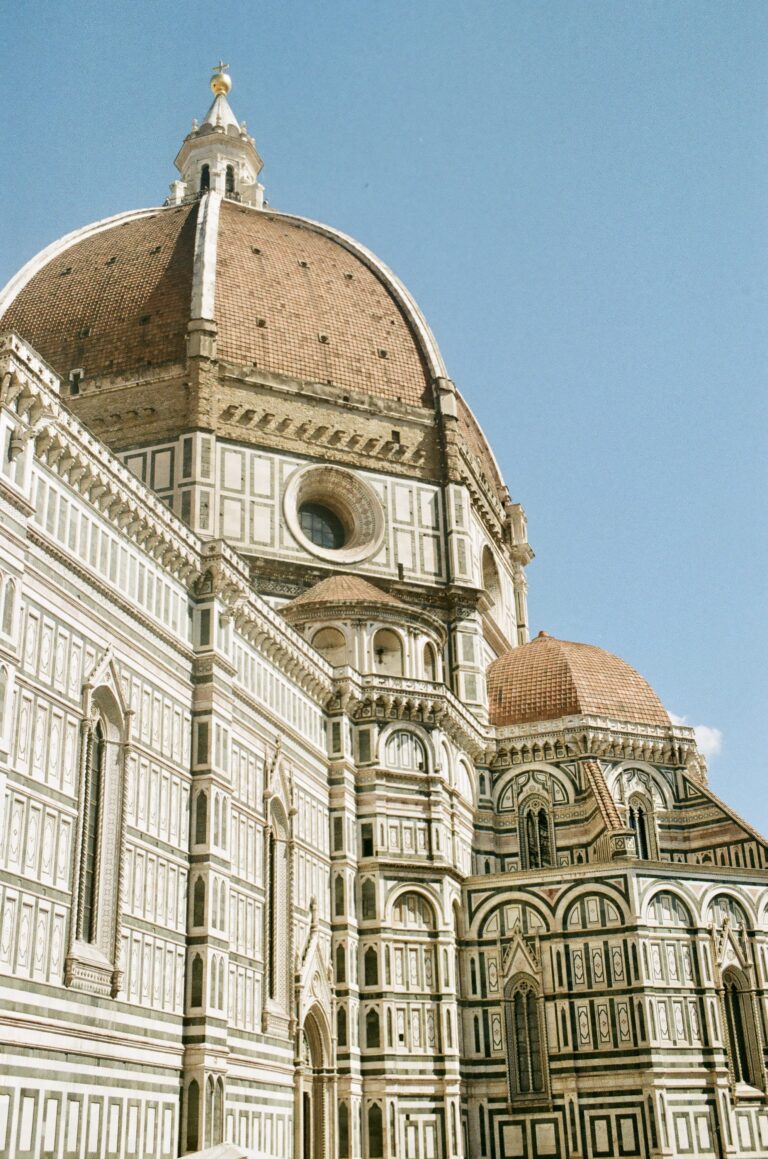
(375, 1133)
(205, 178)
(198, 904)
(8, 607)
(740, 1029)
(524, 1041)
(272, 902)
(91, 825)
(201, 819)
(372, 1034)
(536, 840)
(343, 1131)
(368, 897)
(229, 180)
(371, 967)
(193, 1115)
(276, 909)
(639, 819)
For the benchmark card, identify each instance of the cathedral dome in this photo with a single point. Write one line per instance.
(288, 296)
(126, 304)
(548, 679)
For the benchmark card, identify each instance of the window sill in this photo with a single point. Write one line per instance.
(745, 1093)
(87, 969)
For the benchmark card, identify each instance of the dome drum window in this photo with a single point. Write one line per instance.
(333, 514)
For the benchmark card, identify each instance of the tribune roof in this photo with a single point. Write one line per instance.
(547, 679)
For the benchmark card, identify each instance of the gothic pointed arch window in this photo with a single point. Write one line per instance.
(640, 820)
(375, 1132)
(537, 847)
(95, 937)
(742, 1037)
(276, 909)
(526, 1045)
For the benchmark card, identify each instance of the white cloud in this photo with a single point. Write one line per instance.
(709, 739)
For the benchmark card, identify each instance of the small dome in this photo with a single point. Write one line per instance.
(342, 589)
(548, 679)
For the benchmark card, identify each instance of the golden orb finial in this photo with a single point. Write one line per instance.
(221, 82)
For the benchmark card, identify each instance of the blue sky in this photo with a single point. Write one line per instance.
(576, 192)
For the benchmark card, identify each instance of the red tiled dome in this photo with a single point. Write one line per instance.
(548, 679)
(289, 297)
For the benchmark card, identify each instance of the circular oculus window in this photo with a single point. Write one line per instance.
(333, 514)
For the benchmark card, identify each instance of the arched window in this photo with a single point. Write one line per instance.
(343, 1131)
(218, 1112)
(640, 820)
(387, 653)
(210, 1096)
(341, 964)
(372, 1035)
(430, 663)
(229, 180)
(196, 984)
(536, 836)
(331, 645)
(742, 1039)
(404, 750)
(205, 178)
(725, 907)
(368, 899)
(201, 819)
(341, 1026)
(193, 1116)
(413, 911)
(97, 916)
(198, 904)
(338, 896)
(375, 1133)
(275, 917)
(89, 856)
(8, 607)
(371, 967)
(525, 1053)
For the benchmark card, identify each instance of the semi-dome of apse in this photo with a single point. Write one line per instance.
(548, 679)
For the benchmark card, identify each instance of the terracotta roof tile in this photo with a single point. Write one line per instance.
(293, 301)
(548, 679)
(115, 301)
(476, 444)
(343, 589)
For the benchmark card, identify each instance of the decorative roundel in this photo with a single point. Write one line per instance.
(333, 514)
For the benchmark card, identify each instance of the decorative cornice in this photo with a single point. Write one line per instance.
(372, 697)
(226, 577)
(30, 392)
(580, 736)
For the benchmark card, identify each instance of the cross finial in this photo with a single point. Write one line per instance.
(221, 82)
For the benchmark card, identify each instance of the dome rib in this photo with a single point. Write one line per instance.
(548, 679)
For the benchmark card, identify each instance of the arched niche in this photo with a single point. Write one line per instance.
(387, 647)
(331, 644)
